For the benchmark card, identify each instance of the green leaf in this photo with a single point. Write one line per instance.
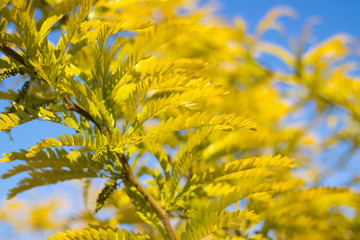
(50, 167)
(74, 140)
(238, 166)
(186, 121)
(97, 234)
(207, 222)
(8, 121)
(46, 26)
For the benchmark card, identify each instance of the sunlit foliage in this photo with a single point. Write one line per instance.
(174, 109)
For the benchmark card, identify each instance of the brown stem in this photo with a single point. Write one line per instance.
(12, 54)
(73, 107)
(162, 213)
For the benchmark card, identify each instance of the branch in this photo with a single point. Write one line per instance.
(162, 213)
(73, 107)
(12, 54)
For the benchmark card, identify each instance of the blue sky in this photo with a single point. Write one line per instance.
(331, 17)
(335, 17)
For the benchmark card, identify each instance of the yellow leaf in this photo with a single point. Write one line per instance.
(270, 19)
(46, 26)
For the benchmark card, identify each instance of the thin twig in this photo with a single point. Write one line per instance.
(12, 54)
(162, 213)
(73, 107)
(129, 175)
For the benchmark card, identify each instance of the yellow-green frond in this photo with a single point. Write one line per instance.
(219, 122)
(333, 48)
(50, 167)
(74, 140)
(236, 167)
(8, 121)
(207, 223)
(97, 234)
(270, 19)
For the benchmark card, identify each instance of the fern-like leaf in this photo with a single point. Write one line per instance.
(74, 140)
(270, 20)
(46, 177)
(8, 121)
(186, 99)
(241, 165)
(189, 154)
(186, 121)
(207, 222)
(48, 168)
(97, 234)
